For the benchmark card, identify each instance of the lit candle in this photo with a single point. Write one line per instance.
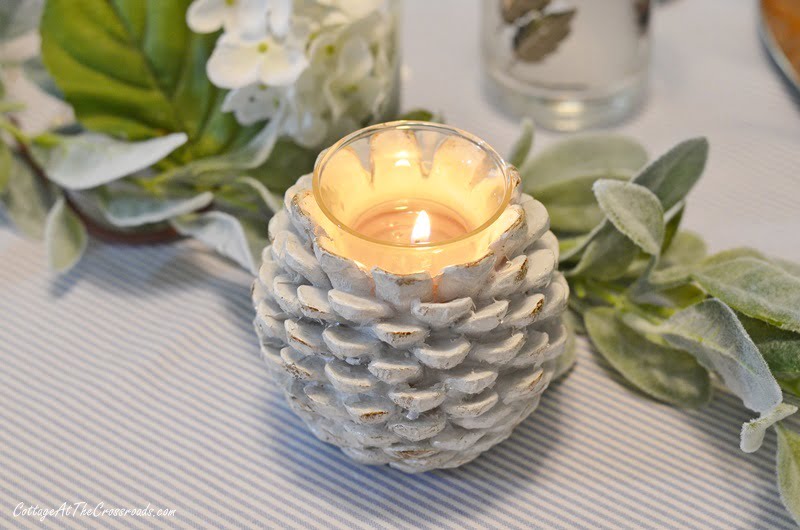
(410, 196)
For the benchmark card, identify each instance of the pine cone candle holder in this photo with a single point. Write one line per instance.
(408, 304)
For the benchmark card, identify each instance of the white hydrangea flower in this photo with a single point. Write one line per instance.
(324, 66)
(237, 62)
(208, 16)
(254, 103)
(351, 65)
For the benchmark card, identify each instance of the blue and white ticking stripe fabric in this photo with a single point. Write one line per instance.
(135, 379)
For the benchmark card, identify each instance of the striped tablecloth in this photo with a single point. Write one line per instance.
(135, 379)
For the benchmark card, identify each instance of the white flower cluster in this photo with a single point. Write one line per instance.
(321, 67)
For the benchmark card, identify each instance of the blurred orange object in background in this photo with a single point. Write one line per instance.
(782, 18)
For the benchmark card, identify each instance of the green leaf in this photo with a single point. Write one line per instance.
(756, 288)
(271, 201)
(220, 231)
(666, 374)
(587, 157)
(789, 383)
(607, 256)
(89, 160)
(673, 175)
(572, 205)
(675, 267)
(711, 332)
(134, 70)
(18, 17)
(633, 210)
(65, 237)
(27, 200)
(540, 36)
(788, 462)
(789, 266)
(731, 254)
(571, 218)
(35, 70)
(780, 348)
(287, 162)
(418, 115)
(686, 248)
(6, 165)
(255, 157)
(523, 145)
(673, 218)
(137, 209)
(753, 431)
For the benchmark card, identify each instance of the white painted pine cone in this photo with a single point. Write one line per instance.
(411, 371)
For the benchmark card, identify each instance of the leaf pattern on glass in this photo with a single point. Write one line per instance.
(541, 36)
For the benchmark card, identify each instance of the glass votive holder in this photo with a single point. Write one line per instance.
(411, 196)
(569, 64)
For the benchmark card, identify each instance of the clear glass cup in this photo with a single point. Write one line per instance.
(570, 64)
(410, 196)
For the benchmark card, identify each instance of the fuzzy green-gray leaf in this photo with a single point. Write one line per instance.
(607, 256)
(711, 332)
(88, 160)
(752, 435)
(780, 348)
(788, 463)
(18, 17)
(756, 288)
(664, 373)
(65, 237)
(572, 205)
(633, 210)
(136, 210)
(672, 221)
(673, 175)
(521, 148)
(272, 201)
(27, 200)
(686, 248)
(587, 157)
(220, 231)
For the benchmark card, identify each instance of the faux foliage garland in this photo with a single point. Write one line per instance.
(660, 310)
(159, 151)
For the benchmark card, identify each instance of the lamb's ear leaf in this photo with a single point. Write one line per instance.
(667, 374)
(633, 210)
(27, 199)
(17, 17)
(88, 160)
(753, 431)
(675, 173)
(523, 145)
(755, 287)
(221, 231)
(788, 462)
(65, 237)
(607, 255)
(128, 210)
(583, 157)
(780, 348)
(710, 331)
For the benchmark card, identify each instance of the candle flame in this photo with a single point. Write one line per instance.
(421, 232)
